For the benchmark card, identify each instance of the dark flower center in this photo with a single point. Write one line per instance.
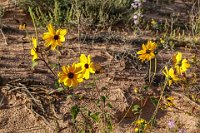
(56, 37)
(170, 78)
(169, 100)
(70, 75)
(148, 51)
(86, 66)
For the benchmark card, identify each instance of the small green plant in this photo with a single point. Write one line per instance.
(1, 13)
(84, 12)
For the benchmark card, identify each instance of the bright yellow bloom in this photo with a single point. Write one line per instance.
(140, 122)
(169, 101)
(181, 65)
(147, 52)
(34, 49)
(54, 38)
(136, 130)
(87, 65)
(170, 75)
(153, 22)
(141, 125)
(162, 41)
(22, 26)
(70, 75)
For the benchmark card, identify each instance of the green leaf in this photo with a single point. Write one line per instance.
(109, 105)
(136, 109)
(103, 98)
(56, 84)
(154, 101)
(95, 116)
(54, 66)
(60, 89)
(82, 131)
(98, 103)
(74, 112)
(146, 87)
(69, 96)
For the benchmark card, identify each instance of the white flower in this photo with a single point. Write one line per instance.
(135, 17)
(136, 22)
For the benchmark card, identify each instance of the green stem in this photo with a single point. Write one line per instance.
(155, 69)
(33, 20)
(157, 107)
(149, 71)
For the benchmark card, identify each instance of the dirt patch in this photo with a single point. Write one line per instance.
(26, 104)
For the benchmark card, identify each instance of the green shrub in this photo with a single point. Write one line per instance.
(84, 12)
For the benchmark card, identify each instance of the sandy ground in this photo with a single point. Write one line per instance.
(26, 105)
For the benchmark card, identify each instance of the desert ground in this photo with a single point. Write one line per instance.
(30, 104)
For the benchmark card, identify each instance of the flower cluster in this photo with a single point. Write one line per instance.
(137, 3)
(73, 75)
(137, 17)
(70, 75)
(181, 65)
(169, 101)
(173, 74)
(170, 75)
(178, 71)
(140, 125)
(137, 6)
(52, 38)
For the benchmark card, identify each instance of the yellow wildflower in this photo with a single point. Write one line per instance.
(34, 49)
(181, 65)
(87, 65)
(169, 101)
(162, 41)
(140, 121)
(147, 52)
(141, 125)
(136, 130)
(170, 75)
(70, 75)
(22, 26)
(54, 37)
(153, 22)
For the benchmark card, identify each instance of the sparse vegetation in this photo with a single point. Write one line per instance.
(125, 69)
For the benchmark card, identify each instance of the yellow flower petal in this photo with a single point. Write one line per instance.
(141, 52)
(92, 68)
(87, 74)
(88, 59)
(51, 29)
(34, 41)
(62, 38)
(171, 71)
(178, 57)
(63, 32)
(47, 35)
(83, 59)
(35, 57)
(74, 82)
